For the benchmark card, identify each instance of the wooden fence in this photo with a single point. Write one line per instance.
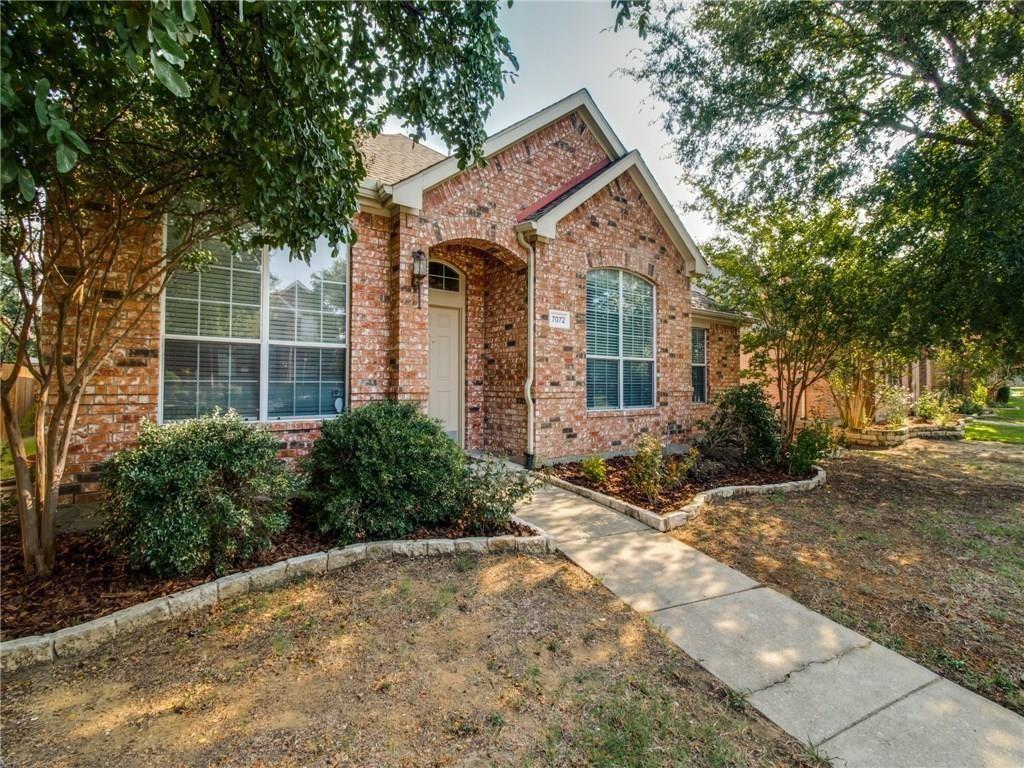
(24, 391)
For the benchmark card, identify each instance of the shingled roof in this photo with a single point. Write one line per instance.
(391, 157)
(701, 302)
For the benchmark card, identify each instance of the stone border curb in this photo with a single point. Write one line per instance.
(677, 518)
(890, 438)
(81, 638)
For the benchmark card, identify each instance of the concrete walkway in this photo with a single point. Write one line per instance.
(855, 701)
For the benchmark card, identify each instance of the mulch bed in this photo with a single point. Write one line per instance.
(92, 581)
(618, 485)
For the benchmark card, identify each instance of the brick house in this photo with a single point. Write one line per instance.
(539, 306)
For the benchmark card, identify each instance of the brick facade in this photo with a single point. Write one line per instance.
(469, 222)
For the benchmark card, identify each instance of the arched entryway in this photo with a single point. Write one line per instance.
(476, 309)
(446, 288)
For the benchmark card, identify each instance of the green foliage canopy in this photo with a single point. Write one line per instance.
(914, 112)
(251, 112)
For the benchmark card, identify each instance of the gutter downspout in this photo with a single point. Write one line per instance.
(528, 386)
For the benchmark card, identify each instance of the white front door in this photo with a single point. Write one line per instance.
(446, 369)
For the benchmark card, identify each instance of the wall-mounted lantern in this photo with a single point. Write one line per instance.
(419, 271)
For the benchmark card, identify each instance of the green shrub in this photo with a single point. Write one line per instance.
(382, 471)
(645, 472)
(935, 405)
(204, 493)
(742, 424)
(811, 444)
(595, 469)
(895, 403)
(490, 494)
(1003, 396)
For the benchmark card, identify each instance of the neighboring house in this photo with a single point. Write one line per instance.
(818, 402)
(554, 317)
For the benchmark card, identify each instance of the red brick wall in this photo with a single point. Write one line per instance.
(125, 389)
(615, 228)
(469, 221)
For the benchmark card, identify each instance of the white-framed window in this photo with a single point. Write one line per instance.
(699, 364)
(258, 332)
(620, 340)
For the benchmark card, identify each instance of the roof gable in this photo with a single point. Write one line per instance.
(409, 191)
(544, 220)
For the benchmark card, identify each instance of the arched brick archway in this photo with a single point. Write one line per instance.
(495, 238)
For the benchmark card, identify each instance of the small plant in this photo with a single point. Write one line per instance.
(895, 402)
(204, 493)
(489, 494)
(812, 443)
(595, 469)
(646, 471)
(679, 469)
(742, 425)
(934, 405)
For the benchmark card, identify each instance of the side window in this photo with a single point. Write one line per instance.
(699, 364)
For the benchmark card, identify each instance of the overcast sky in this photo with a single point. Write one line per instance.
(565, 46)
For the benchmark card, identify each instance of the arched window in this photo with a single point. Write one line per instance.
(441, 277)
(620, 340)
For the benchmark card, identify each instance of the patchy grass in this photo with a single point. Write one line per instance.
(7, 461)
(1014, 409)
(920, 548)
(513, 661)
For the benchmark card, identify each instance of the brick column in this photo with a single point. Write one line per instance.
(409, 347)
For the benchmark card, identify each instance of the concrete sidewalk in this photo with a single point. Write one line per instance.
(855, 701)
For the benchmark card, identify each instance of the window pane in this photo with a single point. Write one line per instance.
(637, 384)
(306, 381)
(301, 292)
(245, 288)
(603, 312)
(182, 317)
(637, 317)
(184, 284)
(699, 374)
(201, 375)
(699, 346)
(441, 277)
(602, 383)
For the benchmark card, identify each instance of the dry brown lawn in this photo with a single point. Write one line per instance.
(920, 548)
(496, 660)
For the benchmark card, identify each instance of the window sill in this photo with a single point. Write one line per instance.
(606, 413)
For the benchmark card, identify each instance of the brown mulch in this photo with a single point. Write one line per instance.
(92, 581)
(618, 485)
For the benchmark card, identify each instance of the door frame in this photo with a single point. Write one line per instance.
(457, 301)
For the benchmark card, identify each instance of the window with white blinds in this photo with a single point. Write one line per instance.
(257, 332)
(699, 364)
(620, 340)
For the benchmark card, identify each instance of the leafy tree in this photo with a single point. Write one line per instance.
(239, 120)
(809, 284)
(913, 112)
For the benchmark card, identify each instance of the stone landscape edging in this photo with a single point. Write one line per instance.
(678, 517)
(895, 436)
(81, 638)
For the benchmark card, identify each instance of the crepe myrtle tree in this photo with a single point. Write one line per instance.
(808, 281)
(240, 121)
(913, 112)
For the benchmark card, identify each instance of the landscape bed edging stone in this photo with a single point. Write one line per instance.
(81, 638)
(895, 436)
(678, 517)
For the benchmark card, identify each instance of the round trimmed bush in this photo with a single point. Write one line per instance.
(382, 471)
(204, 493)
